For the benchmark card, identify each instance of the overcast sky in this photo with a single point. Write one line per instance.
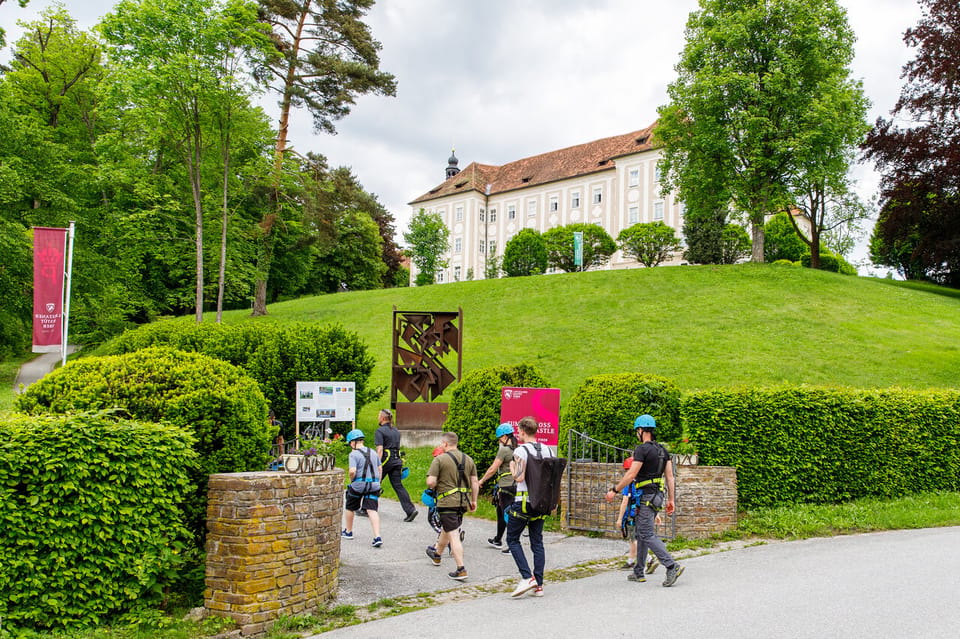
(505, 79)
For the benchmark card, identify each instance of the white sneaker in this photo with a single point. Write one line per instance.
(537, 592)
(524, 586)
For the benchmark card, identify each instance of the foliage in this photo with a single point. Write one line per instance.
(474, 411)
(214, 400)
(918, 231)
(598, 246)
(491, 265)
(525, 254)
(734, 244)
(604, 407)
(830, 262)
(756, 81)
(277, 356)
(16, 273)
(818, 445)
(649, 243)
(781, 240)
(702, 233)
(354, 261)
(429, 239)
(89, 519)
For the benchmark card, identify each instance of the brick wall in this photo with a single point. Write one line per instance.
(273, 545)
(706, 499)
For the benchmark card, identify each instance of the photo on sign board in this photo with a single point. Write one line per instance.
(325, 390)
(305, 394)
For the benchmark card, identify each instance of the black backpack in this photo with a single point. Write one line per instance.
(543, 476)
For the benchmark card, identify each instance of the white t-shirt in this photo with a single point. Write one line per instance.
(521, 453)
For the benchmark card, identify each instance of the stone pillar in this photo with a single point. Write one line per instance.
(273, 545)
(706, 500)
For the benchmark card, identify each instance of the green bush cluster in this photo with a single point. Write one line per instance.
(830, 262)
(474, 411)
(217, 402)
(277, 356)
(605, 407)
(90, 524)
(816, 445)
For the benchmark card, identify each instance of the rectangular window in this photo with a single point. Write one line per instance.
(633, 178)
(493, 215)
(481, 246)
(439, 277)
(554, 202)
(456, 273)
(457, 245)
(531, 208)
(493, 247)
(512, 212)
(598, 195)
(483, 215)
(657, 211)
(657, 173)
(575, 200)
(459, 214)
(633, 215)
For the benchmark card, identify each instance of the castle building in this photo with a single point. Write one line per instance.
(612, 182)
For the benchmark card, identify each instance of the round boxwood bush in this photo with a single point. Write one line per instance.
(90, 524)
(276, 355)
(474, 411)
(605, 407)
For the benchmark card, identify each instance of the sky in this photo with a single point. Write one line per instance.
(500, 80)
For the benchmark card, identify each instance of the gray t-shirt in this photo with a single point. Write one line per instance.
(366, 479)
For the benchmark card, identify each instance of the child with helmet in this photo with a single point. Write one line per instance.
(505, 488)
(363, 492)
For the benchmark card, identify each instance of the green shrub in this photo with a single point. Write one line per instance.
(216, 401)
(830, 262)
(474, 411)
(276, 355)
(816, 445)
(605, 407)
(89, 519)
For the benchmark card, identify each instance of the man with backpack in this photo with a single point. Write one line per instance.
(453, 475)
(363, 492)
(651, 465)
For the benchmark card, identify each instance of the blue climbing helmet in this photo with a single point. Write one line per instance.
(356, 433)
(644, 421)
(504, 429)
(429, 498)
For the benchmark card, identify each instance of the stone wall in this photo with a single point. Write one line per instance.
(706, 499)
(273, 545)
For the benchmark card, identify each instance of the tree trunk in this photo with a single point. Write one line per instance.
(221, 279)
(757, 240)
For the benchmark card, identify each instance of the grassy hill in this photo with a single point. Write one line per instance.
(702, 326)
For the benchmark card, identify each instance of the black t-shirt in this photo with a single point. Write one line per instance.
(648, 453)
(388, 437)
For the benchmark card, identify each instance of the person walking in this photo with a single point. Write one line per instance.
(453, 475)
(505, 487)
(364, 488)
(518, 518)
(387, 441)
(651, 464)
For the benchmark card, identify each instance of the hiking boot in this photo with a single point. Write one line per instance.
(635, 577)
(411, 516)
(346, 535)
(495, 543)
(628, 565)
(652, 565)
(377, 542)
(524, 586)
(434, 557)
(460, 574)
(673, 572)
(537, 592)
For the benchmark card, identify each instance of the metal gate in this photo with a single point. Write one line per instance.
(592, 468)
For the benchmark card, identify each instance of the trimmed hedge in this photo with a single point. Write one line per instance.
(474, 411)
(605, 407)
(90, 524)
(818, 445)
(276, 355)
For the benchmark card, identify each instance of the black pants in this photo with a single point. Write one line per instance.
(392, 470)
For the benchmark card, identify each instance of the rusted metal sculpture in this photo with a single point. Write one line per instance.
(423, 344)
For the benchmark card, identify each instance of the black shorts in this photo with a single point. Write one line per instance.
(450, 518)
(355, 501)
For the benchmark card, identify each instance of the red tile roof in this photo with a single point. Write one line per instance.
(573, 161)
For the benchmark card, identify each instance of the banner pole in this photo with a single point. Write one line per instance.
(66, 302)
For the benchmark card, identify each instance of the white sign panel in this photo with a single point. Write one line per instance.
(335, 401)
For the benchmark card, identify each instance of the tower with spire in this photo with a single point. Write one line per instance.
(452, 164)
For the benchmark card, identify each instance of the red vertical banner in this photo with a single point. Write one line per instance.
(49, 261)
(543, 404)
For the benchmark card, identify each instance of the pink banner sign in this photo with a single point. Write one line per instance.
(543, 404)
(49, 253)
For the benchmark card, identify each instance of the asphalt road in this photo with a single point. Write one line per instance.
(894, 584)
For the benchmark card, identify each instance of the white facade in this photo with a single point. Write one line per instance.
(613, 192)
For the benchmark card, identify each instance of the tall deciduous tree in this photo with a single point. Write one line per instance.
(325, 56)
(753, 76)
(918, 231)
(598, 246)
(429, 240)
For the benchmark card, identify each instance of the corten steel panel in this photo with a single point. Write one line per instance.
(423, 345)
(421, 415)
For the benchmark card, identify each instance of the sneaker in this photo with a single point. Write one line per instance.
(506, 549)
(346, 535)
(537, 592)
(627, 566)
(377, 542)
(635, 577)
(652, 565)
(524, 586)
(411, 516)
(434, 557)
(495, 544)
(460, 574)
(673, 572)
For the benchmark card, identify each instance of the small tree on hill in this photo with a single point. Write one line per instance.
(525, 254)
(429, 239)
(781, 240)
(649, 244)
(598, 246)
